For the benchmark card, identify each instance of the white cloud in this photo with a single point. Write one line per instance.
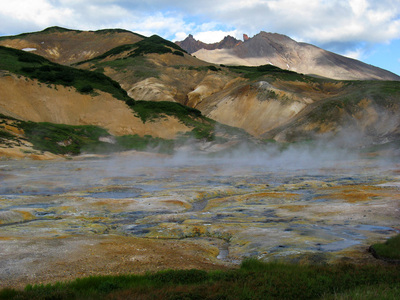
(181, 35)
(214, 36)
(355, 54)
(35, 12)
(321, 22)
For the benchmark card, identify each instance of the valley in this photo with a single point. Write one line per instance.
(144, 212)
(121, 153)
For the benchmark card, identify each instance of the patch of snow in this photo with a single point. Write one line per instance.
(29, 49)
(108, 139)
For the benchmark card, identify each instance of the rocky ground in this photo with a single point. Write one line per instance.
(134, 213)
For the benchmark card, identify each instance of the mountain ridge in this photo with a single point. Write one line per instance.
(285, 53)
(191, 45)
(69, 46)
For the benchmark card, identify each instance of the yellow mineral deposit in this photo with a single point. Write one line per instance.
(132, 213)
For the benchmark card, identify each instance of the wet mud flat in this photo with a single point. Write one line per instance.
(137, 213)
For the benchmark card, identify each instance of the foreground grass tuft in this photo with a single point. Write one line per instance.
(388, 250)
(254, 280)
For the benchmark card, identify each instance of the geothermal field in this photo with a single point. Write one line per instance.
(136, 212)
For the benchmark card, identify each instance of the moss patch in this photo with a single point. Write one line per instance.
(389, 250)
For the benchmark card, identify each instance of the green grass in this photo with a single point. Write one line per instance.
(138, 67)
(5, 135)
(37, 67)
(146, 143)
(111, 52)
(274, 72)
(153, 44)
(53, 29)
(116, 30)
(253, 280)
(75, 140)
(200, 69)
(369, 292)
(63, 139)
(156, 44)
(203, 128)
(388, 250)
(150, 110)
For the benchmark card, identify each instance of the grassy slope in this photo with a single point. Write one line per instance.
(153, 44)
(37, 67)
(74, 140)
(254, 280)
(203, 128)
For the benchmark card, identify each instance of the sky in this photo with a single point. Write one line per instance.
(367, 30)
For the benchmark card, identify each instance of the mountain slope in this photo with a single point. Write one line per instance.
(285, 53)
(46, 100)
(282, 105)
(66, 46)
(36, 89)
(262, 100)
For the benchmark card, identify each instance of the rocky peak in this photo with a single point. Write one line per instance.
(191, 45)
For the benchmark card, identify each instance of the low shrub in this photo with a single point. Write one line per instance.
(149, 110)
(86, 89)
(389, 249)
(179, 53)
(179, 277)
(62, 139)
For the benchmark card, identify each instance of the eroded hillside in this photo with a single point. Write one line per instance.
(266, 101)
(40, 94)
(66, 46)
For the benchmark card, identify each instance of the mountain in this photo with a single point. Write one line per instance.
(66, 46)
(152, 95)
(45, 106)
(191, 45)
(285, 53)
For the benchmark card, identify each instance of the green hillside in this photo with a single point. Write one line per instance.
(37, 67)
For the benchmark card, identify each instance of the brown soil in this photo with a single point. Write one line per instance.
(27, 99)
(64, 259)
